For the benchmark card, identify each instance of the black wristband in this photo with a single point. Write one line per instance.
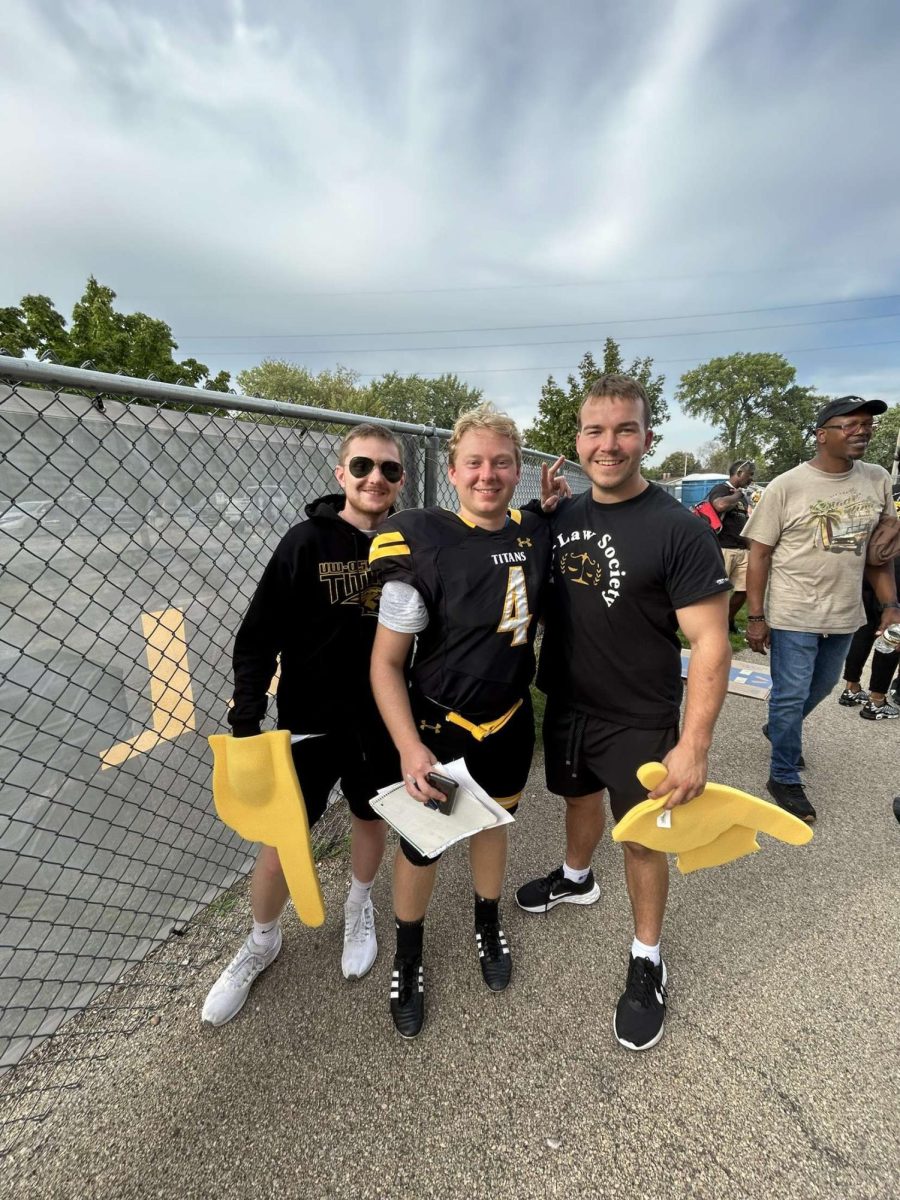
(756, 618)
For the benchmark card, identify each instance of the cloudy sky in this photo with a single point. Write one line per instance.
(487, 187)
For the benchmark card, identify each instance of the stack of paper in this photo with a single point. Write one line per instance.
(429, 831)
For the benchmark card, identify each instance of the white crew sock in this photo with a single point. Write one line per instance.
(641, 950)
(575, 874)
(359, 892)
(265, 933)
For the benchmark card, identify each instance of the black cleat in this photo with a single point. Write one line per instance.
(408, 996)
(493, 956)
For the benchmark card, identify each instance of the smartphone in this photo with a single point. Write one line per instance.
(448, 786)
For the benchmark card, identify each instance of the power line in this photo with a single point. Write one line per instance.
(664, 362)
(636, 337)
(731, 312)
(816, 269)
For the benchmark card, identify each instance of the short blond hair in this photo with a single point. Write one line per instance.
(486, 417)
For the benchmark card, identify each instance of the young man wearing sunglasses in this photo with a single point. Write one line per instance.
(316, 610)
(465, 587)
(808, 537)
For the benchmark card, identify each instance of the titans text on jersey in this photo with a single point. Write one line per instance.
(482, 589)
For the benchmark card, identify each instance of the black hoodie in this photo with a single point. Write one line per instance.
(317, 608)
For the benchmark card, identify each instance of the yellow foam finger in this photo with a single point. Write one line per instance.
(257, 793)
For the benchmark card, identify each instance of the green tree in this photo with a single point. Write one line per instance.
(679, 462)
(33, 325)
(129, 343)
(423, 401)
(275, 379)
(714, 457)
(787, 435)
(556, 424)
(393, 397)
(13, 332)
(736, 394)
(883, 446)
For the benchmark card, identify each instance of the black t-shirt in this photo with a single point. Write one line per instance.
(483, 590)
(619, 573)
(734, 520)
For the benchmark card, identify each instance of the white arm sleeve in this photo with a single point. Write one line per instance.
(402, 608)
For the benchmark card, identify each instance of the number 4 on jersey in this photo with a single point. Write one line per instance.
(516, 617)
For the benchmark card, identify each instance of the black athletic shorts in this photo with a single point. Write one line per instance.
(584, 754)
(361, 764)
(500, 762)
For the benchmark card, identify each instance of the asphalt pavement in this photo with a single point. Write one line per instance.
(777, 1076)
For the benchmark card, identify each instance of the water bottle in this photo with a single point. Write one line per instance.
(889, 640)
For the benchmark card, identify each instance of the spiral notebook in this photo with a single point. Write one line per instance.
(429, 831)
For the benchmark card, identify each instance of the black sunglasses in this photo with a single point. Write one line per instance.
(361, 465)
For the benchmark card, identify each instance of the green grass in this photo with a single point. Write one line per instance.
(331, 847)
(539, 700)
(738, 640)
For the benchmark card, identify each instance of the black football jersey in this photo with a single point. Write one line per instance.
(483, 590)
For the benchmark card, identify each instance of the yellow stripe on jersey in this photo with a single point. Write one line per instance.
(514, 515)
(480, 732)
(508, 801)
(386, 544)
(471, 524)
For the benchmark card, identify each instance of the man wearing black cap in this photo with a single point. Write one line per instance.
(808, 538)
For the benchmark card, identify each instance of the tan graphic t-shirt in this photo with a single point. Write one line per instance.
(819, 525)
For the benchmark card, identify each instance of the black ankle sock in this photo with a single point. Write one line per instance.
(409, 938)
(487, 912)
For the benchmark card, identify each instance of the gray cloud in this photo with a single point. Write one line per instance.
(280, 168)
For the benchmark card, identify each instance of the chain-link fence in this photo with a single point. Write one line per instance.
(135, 520)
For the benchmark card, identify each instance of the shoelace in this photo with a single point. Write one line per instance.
(548, 884)
(360, 924)
(796, 790)
(491, 944)
(245, 966)
(408, 980)
(643, 985)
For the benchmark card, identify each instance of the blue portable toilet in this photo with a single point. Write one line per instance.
(695, 488)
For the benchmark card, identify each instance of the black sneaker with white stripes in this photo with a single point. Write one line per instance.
(543, 894)
(408, 996)
(641, 1012)
(493, 955)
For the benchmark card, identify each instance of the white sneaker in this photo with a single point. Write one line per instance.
(360, 943)
(228, 994)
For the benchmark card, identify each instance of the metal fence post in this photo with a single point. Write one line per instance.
(432, 455)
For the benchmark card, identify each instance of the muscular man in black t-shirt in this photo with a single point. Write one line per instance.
(730, 502)
(630, 566)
